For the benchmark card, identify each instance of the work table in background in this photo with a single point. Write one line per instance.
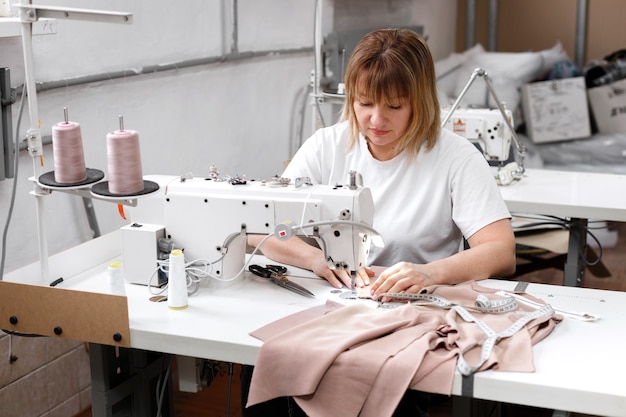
(574, 197)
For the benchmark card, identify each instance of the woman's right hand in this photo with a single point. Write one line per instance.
(339, 278)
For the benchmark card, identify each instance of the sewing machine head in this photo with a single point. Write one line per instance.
(485, 128)
(210, 219)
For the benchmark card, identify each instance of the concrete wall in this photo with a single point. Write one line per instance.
(203, 82)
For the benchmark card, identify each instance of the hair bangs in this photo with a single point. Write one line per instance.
(382, 83)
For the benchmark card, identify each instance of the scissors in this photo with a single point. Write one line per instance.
(276, 274)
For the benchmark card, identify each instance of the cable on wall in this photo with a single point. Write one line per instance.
(13, 189)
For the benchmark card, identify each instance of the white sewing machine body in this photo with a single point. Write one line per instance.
(209, 219)
(485, 128)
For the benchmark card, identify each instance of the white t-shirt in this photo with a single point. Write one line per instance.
(424, 206)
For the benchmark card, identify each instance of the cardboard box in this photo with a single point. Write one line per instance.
(608, 106)
(556, 110)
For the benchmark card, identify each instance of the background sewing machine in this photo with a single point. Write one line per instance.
(210, 218)
(485, 128)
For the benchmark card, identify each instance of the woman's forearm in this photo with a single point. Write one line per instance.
(294, 251)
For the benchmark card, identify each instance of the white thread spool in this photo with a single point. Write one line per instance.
(124, 161)
(177, 281)
(115, 278)
(67, 151)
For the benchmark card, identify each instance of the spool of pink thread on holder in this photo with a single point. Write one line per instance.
(67, 151)
(124, 166)
(124, 161)
(69, 159)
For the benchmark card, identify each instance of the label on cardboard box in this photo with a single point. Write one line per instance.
(608, 106)
(556, 110)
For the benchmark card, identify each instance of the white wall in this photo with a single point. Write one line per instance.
(239, 109)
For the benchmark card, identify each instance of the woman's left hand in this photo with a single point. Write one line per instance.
(402, 277)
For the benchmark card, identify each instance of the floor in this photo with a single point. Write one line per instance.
(211, 402)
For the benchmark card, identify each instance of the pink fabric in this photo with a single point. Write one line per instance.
(378, 363)
(358, 361)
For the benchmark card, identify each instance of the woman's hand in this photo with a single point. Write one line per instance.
(301, 254)
(341, 278)
(402, 277)
(491, 253)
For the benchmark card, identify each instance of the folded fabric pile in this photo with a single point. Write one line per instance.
(359, 361)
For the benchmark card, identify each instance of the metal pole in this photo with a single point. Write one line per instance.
(318, 40)
(470, 30)
(581, 32)
(34, 136)
(493, 25)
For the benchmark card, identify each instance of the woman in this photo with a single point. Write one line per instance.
(431, 188)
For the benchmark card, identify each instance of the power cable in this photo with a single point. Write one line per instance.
(14, 188)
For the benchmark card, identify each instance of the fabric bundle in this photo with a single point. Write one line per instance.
(359, 361)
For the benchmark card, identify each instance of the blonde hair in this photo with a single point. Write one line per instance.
(392, 64)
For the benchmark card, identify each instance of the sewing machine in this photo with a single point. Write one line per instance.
(485, 128)
(210, 218)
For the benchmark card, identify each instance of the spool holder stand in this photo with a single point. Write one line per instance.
(85, 192)
(29, 14)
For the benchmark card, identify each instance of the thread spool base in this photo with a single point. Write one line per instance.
(334, 94)
(101, 189)
(47, 180)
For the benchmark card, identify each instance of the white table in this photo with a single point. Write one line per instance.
(580, 366)
(575, 196)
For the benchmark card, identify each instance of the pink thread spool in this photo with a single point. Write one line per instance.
(124, 162)
(67, 151)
